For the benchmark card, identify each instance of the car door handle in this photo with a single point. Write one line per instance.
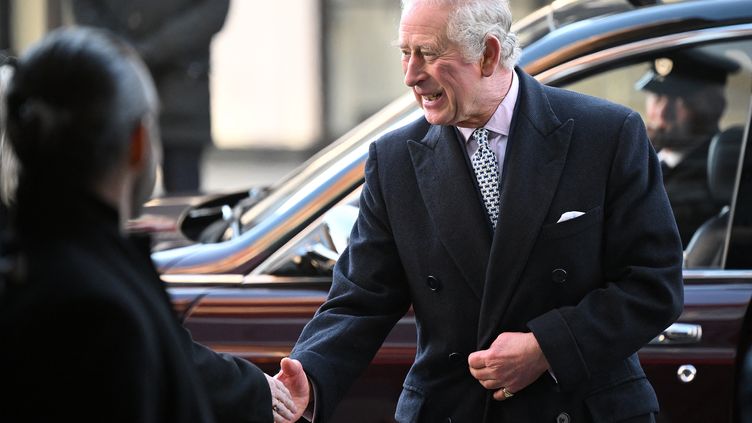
(679, 333)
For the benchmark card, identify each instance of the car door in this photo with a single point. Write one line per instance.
(694, 365)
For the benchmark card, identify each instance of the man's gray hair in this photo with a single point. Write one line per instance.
(471, 21)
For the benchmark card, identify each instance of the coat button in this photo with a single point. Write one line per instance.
(433, 284)
(563, 418)
(559, 275)
(455, 358)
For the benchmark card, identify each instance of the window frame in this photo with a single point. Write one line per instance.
(736, 249)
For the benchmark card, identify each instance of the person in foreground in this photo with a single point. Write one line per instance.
(86, 327)
(528, 228)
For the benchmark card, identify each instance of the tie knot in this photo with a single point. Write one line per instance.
(481, 136)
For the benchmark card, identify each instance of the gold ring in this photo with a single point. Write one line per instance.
(507, 393)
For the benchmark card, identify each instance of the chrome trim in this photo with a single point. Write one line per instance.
(717, 274)
(191, 200)
(575, 66)
(285, 251)
(238, 280)
(686, 373)
(261, 279)
(204, 280)
(295, 202)
(679, 334)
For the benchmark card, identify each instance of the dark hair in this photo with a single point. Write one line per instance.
(72, 104)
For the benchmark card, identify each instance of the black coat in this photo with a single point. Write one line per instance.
(87, 332)
(689, 192)
(173, 37)
(593, 289)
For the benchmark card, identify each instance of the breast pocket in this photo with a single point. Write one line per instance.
(572, 226)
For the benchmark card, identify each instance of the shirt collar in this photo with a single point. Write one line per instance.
(670, 158)
(501, 120)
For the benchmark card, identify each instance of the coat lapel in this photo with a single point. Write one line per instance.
(536, 153)
(452, 202)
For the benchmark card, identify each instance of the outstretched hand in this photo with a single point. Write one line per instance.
(295, 380)
(283, 407)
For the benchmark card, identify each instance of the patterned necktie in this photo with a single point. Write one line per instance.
(486, 169)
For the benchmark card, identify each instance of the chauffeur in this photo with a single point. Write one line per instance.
(684, 105)
(528, 228)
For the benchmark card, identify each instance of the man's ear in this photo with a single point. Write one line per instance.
(139, 148)
(491, 56)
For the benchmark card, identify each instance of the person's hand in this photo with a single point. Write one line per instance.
(283, 407)
(512, 362)
(294, 378)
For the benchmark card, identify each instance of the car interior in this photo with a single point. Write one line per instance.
(706, 247)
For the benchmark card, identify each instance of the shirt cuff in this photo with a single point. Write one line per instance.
(310, 411)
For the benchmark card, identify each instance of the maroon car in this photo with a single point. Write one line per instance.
(249, 269)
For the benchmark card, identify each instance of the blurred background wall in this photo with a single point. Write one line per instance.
(288, 76)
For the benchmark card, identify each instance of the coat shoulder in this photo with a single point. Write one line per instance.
(397, 138)
(573, 105)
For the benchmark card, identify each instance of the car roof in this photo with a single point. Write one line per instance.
(618, 22)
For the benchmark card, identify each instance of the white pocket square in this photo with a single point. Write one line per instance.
(569, 216)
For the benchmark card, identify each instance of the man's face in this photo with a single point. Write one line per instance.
(669, 122)
(447, 88)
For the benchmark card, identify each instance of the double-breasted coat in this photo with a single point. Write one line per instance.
(593, 289)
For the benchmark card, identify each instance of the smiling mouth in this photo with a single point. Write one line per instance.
(432, 97)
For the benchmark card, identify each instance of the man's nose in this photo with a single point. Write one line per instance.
(660, 114)
(413, 69)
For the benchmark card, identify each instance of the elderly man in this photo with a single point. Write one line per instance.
(528, 228)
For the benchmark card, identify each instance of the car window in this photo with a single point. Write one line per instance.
(700, 203)
(315, 250)
(695, 104)
(739, 251)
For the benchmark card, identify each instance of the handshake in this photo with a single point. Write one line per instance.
(290, 390)
(513, 361)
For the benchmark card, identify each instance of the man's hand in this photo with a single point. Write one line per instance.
(296, 381)
(283, 407)
(512, 362)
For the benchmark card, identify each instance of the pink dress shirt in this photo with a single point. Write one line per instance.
(498, 125)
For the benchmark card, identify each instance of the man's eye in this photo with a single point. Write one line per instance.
(405, 53)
